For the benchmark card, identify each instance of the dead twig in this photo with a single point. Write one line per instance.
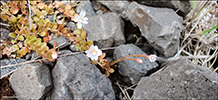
(122, 90)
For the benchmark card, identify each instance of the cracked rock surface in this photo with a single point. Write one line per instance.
(163, 35)
(74, 77)
(180, 79)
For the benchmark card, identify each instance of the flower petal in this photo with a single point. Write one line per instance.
(95, 47)
(76, 18)
(95, 58)
(79, 25)
(89, 55)
(85, 18)
(82, 13)
(99, 52)
(54, 55)
(152, 58)
(92, 46)
(85, 22)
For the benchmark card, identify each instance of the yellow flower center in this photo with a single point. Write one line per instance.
(93, 52)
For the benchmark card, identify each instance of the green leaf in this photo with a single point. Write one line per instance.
(90, 43)
(34, 26)
(44, 48)
(38, 52)
(21, 38)
(111, 70)
(42, 34)
(85, 47)
(40, 23)
(194, 4)
(78, 39)
(82, 43)
(32, 37)
(42, 45)
(81, 49)
(54, 18)
(46, 21)
(32, 41)
(13, 41)
(38, 42)
(14, 48)
(76, 32)
(13, 35)
(77, 46)
(83, 35)
(54, 26)
(68, 35)
(207, 31)
(36, 19)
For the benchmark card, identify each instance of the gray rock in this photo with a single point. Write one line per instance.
(184, 6)
(61, 41)
(64, 52)
(74, 77)
(116, 6)
(71, 25)
(148, 49)
(96, 5)
(87, 7)
(50, 17)
(180, 79)
(99, 12)
(31, 56)
(73, 49)
(5, 62)
(105, 30)
(132, 70)
(160, 26)
(4, 33)
(31, 81)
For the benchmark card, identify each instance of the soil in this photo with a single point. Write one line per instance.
(5, 89)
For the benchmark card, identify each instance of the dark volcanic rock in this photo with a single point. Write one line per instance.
(184, 6)
(132, 70)
(5, 62)
(74, 77)
(4, 33)
(31, 81)
(61, 41)
(87, 7)
(160, 26)
(116, 6)
(180, 79)
(105, 30)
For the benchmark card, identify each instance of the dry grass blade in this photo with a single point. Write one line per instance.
(200, 48)
(124, 93)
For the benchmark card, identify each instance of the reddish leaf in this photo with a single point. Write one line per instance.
(45, 39)
(4, 17)
(67, 7)
(14, 9)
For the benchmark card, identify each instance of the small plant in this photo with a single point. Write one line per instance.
(31, 31)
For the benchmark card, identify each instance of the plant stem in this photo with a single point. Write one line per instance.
(124, 58)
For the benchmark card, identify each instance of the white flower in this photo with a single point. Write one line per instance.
(93, 52)
(81, 19)
(152, 58)
(54, 55)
